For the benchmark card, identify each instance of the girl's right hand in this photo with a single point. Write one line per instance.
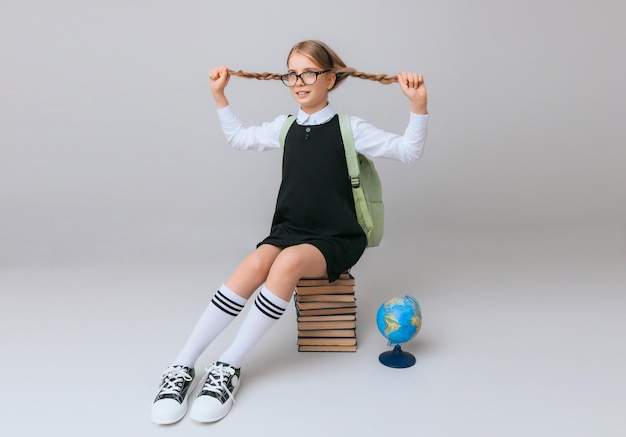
(219, 79)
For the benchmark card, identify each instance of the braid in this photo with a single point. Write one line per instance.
(382, 78)
(341, 73)
(259, 76)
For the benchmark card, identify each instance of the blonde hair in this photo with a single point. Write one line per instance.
(327, 59)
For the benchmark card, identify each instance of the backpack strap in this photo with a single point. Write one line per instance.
(283, 131)
(360, 202)
(348, 145)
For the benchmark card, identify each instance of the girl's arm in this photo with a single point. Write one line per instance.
(260, 138)
(377, 143)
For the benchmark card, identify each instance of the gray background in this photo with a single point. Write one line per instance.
(122, 208)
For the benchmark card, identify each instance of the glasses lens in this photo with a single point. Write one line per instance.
(288, 79)
(309, 77)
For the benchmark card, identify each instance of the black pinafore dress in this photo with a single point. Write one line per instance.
(315, 204)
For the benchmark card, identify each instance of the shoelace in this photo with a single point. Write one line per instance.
(171, 379)
(216, 379)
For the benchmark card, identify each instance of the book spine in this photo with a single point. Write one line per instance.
(339, 333)
(305, 348)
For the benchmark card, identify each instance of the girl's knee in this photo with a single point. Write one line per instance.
(257, 265)
(287, 261)
(297, 261)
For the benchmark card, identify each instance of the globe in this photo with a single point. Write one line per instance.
(399, 319)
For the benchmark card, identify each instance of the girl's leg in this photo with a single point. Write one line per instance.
(170, 404)
(221, 382)
(289, 266)
(228, 302)
(253, 271)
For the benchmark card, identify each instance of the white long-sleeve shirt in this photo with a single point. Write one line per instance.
(368, 139)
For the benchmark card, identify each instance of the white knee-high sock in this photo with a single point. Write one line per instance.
(262, 316)
(222, 309)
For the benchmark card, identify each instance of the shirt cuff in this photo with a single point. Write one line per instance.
(226, 114)
(418, 120)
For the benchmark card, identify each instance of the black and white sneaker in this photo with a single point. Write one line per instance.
(217, 395)
(170, 404)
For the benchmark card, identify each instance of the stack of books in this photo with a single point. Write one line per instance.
(326, 314)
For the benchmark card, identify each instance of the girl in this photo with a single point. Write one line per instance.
(314, 231)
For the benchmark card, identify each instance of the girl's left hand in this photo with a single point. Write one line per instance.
(412, 85)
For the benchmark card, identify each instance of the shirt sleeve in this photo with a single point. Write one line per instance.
(377, 143)
(259, 138)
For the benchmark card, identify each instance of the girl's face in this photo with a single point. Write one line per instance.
(314, 97)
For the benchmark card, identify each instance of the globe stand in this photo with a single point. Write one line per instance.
(397, 358)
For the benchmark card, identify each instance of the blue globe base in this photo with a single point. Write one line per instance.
(397, 358)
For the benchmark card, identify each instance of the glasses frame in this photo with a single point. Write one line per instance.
(285, 77)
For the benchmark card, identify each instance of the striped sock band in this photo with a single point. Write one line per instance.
(228, 302)
(270, 305)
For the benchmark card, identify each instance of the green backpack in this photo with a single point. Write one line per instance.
(366, 187)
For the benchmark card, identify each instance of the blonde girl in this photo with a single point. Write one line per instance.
(314, 230)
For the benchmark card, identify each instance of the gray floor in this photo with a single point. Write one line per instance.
(523, 334)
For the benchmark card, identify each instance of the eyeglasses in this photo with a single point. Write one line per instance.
(307, 77)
